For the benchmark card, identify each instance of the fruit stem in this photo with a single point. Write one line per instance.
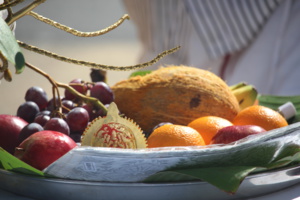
(55, 84)
(86, 99)
(15, 16)
(19, 149)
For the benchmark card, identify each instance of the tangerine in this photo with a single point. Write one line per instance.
(174, 135)
(262, 116)
(208, 126)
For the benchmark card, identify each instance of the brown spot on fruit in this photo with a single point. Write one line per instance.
(195, 101)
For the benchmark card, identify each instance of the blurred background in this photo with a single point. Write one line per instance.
(119, 47)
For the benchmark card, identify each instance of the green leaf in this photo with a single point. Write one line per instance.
(10, 48)
(140, 73)
(292, 158)
(224, 178)
(11, 163)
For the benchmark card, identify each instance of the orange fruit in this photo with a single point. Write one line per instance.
(208, 126)
(174, 135)
(262, 116)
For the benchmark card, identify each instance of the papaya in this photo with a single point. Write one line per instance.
(175, 94)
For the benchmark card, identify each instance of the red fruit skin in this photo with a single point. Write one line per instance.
(43, 148)
(10, 127)
(234, 133)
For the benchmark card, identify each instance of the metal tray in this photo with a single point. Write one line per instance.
(52, 188)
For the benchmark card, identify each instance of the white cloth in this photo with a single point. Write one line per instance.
(227, 26)
(270, 61)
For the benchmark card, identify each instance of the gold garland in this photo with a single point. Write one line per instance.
(76, 32)
(6, 5)
(28, 10)
(96, 65)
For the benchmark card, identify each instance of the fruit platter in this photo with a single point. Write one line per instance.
(177, 132)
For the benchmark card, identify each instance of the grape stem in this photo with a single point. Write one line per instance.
(55, 84)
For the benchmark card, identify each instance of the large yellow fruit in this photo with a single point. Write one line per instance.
(176, 94)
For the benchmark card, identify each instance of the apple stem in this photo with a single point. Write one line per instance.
(19, 149)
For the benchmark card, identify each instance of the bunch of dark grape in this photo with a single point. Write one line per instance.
(69, 115)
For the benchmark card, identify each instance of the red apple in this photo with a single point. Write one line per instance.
(10, 127)
(43, 148)
(233, 133)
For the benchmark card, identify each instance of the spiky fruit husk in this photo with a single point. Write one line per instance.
(176, 94)
(114, 131)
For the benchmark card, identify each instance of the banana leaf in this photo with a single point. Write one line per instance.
(11, 163)
(224, 166)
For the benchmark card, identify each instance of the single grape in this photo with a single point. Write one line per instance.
(28, 111)
(42, 119)
(37, 95)
(79, 86)
(28, 130)
(57, 124)
(77, 119)
(67, 105)
(103, 92)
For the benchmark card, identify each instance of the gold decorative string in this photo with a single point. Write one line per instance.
(87, 34)
(76, 32)
(96, 65)
(10, 4)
